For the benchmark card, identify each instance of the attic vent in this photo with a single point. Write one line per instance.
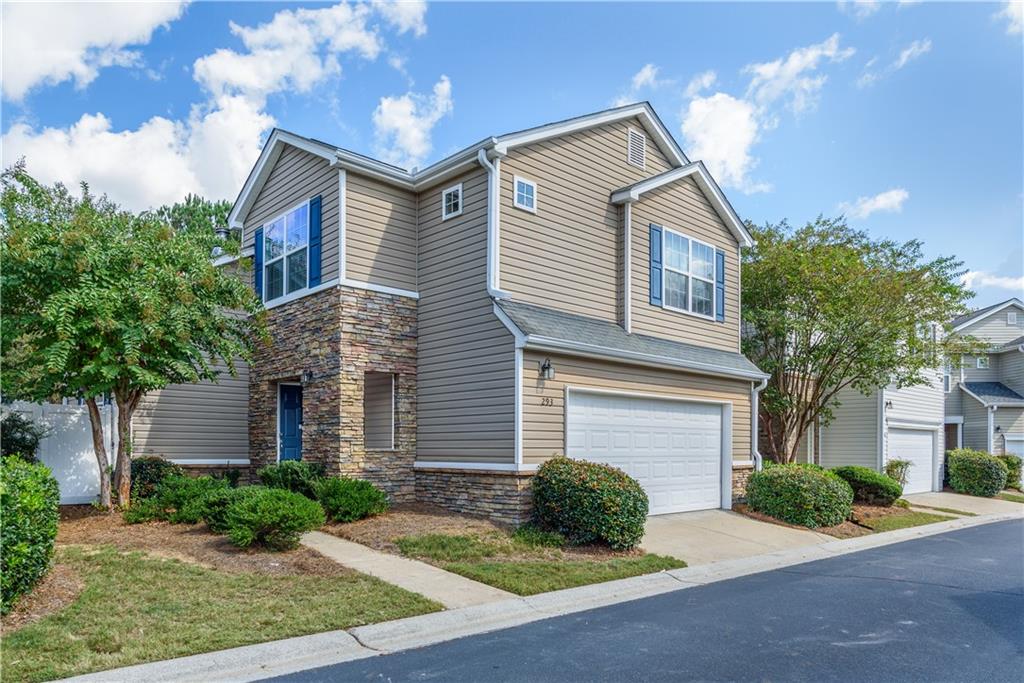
(637, 149)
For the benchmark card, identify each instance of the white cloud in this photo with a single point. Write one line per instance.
(1013, 13)
(980, 278)
(644, 79)
(404, 15)
(890, 201)
(700, 83)
(908, 54)
(861, 9)
(403, 124)
(212, 150)
(49, 43)
(722, 129)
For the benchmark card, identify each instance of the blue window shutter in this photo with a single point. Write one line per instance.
(655, 264)
(257, 276)
(315, 241)
(719, 285)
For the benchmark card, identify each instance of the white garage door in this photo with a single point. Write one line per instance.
(1015, 445)
(917, 446)
(673, 448)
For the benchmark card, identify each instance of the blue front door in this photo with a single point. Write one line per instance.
(291, 422)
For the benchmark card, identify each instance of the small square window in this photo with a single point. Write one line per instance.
(1011, 318)
(451, 202)
(982, 363)
(525, 194)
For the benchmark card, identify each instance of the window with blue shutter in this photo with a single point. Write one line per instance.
(283, 252)
(655, 264)
(720, 285)
(257, 276)
(315, 241)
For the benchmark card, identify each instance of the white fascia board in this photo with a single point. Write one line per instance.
(992, 404)
(549, 344)
(1003, 306)
(231, 258)
(973, 395)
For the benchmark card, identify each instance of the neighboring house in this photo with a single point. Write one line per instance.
(985, 395)
(572, 288)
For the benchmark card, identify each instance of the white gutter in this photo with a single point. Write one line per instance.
(627, 267)
(755, 394)
(493, 223)
(990, 436)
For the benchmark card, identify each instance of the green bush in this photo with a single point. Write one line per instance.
(29, 500)
(800, 495)
(217, 503)
(178, 499)
(897, 469)
(976, 473)
(20, 436)
(148, 472)
(869, 486)
(293, 475)
(273, 518)
(588, 503)
(1013, 467)
(346, 500)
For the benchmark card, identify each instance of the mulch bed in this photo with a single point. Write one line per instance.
(57, 590)
(848, 529)
(189, 543)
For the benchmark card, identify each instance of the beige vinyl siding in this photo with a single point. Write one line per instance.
(544, 425)
(975, 425)
(921, 403)
(567, 255)
(682, 207)
(1011, 366)
(296, 177)
(205, 420)
(378, 410)
(994, 328)
(852, 436)
(466, 357)
(380, 233)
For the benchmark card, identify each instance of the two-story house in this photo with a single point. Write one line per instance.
(567, 289)
(985, 395)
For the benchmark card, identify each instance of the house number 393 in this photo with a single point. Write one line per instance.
(547, 401)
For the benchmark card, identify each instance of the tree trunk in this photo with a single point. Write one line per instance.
(96, 422)
(123, 468)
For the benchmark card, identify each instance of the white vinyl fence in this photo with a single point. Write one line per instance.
(67, 449)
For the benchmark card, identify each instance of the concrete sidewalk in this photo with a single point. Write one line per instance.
(973, 504)
(451, 590)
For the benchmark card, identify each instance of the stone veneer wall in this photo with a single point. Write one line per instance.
(740, 475)
(500, 496)
(336, 336)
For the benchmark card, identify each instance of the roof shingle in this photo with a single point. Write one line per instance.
(993, 392)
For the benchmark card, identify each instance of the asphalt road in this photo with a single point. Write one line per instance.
(944, 608)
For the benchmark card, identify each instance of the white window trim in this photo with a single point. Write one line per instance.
(689, 290)
(630, 132)
(515, 194)
(1011, 317)
(444, 203)
(978, 363)
(283, 256)
(947, 379)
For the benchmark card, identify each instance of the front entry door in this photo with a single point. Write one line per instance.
(290, 425)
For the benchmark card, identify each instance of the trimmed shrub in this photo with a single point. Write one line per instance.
(29, 500)
(589, 503)
(869, 486)
(800, 495)
(293, 475)
(897, 470)
(976, 473)
(149, 471)
(217, 503)
(273, 518)
(20, 436)
(178, 499)
(346, 500)
(1013, 467)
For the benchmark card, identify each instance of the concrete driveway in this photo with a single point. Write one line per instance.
(714, 535)
(955, 501)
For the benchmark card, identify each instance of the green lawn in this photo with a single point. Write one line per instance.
(528, 561)
(903, 521)
(953, 511)
(1010, 496)
(136, 608)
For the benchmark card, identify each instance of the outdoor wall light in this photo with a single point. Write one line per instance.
(888, 405)
(998, 429)
(546, 370)
(307, 376)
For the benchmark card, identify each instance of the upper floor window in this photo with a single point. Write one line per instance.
(1011, 318)
(286, 253)
(947, 377)
(636, 148)
(689, 282)
(982, 363)
(525, 194)
(451, 202)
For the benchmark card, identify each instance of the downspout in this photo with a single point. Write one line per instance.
(493, 223)
(627, 268)
(990, 437)
(755, 393)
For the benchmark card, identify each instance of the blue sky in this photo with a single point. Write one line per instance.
(907, 117)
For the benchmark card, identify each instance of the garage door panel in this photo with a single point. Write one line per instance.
(672, 448)
(917, 446)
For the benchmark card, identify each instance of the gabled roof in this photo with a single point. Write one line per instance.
(993, 393)
(966, 319)
(418, 178)
(547, 329)
(699, 173)
(1015, 345)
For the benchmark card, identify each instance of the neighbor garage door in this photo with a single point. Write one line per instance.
(673, 448)
(917, 446)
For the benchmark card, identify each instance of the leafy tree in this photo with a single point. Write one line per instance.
(101, 301)
(825, 307)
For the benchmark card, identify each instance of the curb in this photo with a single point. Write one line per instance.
(280, 657)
